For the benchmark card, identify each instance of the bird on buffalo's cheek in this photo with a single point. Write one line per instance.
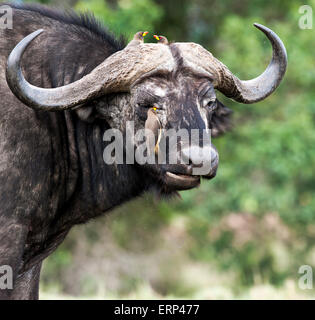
(168, 89)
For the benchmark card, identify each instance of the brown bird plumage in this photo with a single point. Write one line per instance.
(153, 123)
(138, 38)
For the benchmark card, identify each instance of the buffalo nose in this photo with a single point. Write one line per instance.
(201, 157)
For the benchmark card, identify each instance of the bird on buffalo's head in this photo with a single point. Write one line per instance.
(138, 38)
(159, 86)
(161, 39)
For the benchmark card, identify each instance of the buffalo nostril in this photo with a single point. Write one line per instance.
(197, 156)
(214, 155)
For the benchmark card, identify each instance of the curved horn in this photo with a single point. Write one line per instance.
(39, 98)
(115, 74)
(257, 89)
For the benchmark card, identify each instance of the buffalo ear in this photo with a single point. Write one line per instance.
(221, 120)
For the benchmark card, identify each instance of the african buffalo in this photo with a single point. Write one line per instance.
(65, 80)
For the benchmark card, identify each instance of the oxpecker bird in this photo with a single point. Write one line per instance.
(138, 38)
(154, 136)
(161, 39)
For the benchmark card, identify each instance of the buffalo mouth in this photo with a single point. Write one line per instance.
(177, 177)
(181, 181)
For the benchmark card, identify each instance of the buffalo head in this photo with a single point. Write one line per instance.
(158, 86)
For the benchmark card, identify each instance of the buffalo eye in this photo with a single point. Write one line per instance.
(211, 105)
(141, 112)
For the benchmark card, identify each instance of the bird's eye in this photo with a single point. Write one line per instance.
(147, 106)
(152, 106)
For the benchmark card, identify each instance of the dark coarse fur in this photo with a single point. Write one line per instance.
(52, 173)
(83, 21)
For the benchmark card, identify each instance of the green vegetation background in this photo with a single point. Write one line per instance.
(243, 234)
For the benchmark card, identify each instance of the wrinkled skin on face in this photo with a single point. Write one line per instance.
(181, 100)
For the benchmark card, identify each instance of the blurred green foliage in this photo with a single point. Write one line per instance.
(124, 17)
(256, 219)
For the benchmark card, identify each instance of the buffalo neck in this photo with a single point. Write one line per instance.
(95, 187)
